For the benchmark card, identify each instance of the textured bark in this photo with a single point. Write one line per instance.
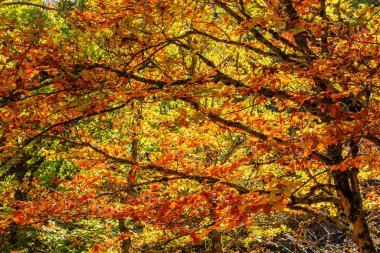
(19, 171)
(125, 244)
(347, 187)
(348, 190)
(216, 238)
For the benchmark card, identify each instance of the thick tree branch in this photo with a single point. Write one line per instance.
(322, 217)
(375, 140)
(256, 33)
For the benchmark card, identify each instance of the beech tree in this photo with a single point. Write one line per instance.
(165, 123)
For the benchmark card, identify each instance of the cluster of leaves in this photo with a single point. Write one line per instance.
(232, 125)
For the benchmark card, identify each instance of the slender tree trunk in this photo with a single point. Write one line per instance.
(20, 172)
(216, 239)
(347, 187)
(125, 244)
(348, 190)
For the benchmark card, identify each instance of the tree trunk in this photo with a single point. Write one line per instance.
(348, 190)
(347, 187)
(20, 172)
(125, 244)
(216, 238)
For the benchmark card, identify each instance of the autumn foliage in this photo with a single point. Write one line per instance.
(189, 126)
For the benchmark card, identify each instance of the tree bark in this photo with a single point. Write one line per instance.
(347, 187)
(125, 244)
(216, 239)
(348, 190)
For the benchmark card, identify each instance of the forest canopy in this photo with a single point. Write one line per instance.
(189, 126)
